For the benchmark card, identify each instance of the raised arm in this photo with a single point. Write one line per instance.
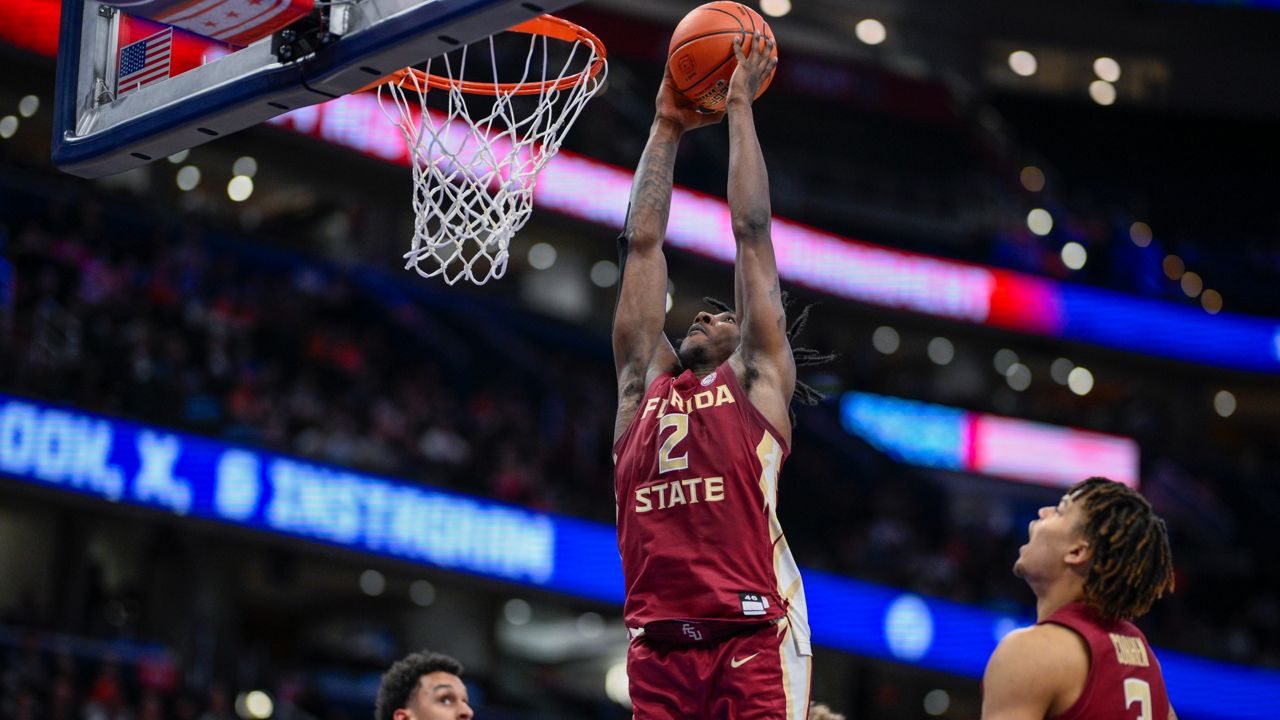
(766, 354)
(640, 348)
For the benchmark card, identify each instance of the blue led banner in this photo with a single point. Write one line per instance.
(937, 436)
(128, 463)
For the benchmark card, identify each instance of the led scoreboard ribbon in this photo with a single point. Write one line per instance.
(937, 436)
(583, 188)
(123, 462)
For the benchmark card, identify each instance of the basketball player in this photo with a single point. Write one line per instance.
(714, 600)
(1095, 562)
(423, 686)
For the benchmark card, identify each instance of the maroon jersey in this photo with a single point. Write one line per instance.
(1124, 679)
(696, 481)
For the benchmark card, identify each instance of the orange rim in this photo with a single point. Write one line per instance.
(546, 25)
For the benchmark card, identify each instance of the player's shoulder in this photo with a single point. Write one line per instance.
(1039, 651)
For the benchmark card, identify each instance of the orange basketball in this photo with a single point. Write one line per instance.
(701, 57)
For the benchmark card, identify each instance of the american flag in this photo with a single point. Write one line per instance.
(145, 62)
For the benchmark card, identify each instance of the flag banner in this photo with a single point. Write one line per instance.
(238, 22)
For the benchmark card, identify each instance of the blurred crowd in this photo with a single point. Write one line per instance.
(46, 676)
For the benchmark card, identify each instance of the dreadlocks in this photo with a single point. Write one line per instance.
(804, 357)
(1132, 565)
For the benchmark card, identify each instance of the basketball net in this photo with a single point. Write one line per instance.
(474, 173)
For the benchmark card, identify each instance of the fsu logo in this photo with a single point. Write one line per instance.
(691, 631)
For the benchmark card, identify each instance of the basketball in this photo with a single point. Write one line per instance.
(701, 55)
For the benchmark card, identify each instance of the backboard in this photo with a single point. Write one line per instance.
(340, 47)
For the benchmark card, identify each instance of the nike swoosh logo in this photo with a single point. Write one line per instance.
(735, 662)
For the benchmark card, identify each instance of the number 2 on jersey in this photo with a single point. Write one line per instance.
(1138, 691)
(666, 463)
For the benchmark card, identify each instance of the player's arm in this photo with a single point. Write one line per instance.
(1032, 672)
(640, 348)
(762, 319)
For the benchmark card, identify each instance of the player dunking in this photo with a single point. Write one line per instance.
(1096, 561)
(714, 599)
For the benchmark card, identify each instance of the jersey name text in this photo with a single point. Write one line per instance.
(679, 492)
(705, 399)
(1130, 650)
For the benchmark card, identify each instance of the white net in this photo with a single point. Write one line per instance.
(476, 160)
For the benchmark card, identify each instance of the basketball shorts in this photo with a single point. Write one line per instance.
(760, 674)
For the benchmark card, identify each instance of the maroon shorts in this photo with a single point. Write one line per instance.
(759, 674)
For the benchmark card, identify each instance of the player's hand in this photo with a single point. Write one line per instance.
(755, 65)
(675, 108)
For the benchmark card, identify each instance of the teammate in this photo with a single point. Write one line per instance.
(423, 686)
(1096, 561)
(714, 599)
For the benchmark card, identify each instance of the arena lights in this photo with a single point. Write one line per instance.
(1039, 221)
(240, 188)
(1032, 178)
(870, 31)
(941, 351)
(1211, 301)
(616, 685)
(1080, 381)
(422, 593)
(590, 625)
(1018, 376)
(1023, 63)
(775, 8)
(542, 256)
(885, 340)
(1224, 403)
(8, 126)
(188, 178)
(1102, 92)
(60, 450)
(1060, 370)
(1140, 233)
(1003, 359)
(937, 702)
(517, 611)
(28, 106)
(604, 274)
(246, 166)
(179, 157)
(372, 583)
(1074, 256)
(254, 705)
(1191, 284)
(595, 192)
(1106, 69)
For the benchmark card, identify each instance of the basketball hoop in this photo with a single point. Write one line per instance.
(474, 167)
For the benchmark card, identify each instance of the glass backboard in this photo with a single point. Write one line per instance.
(115, 111)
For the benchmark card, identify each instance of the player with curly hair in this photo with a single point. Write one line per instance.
(423, 686)
(1096, 561)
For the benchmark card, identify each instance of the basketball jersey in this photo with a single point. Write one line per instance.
(1124, 679)
(696, 481)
